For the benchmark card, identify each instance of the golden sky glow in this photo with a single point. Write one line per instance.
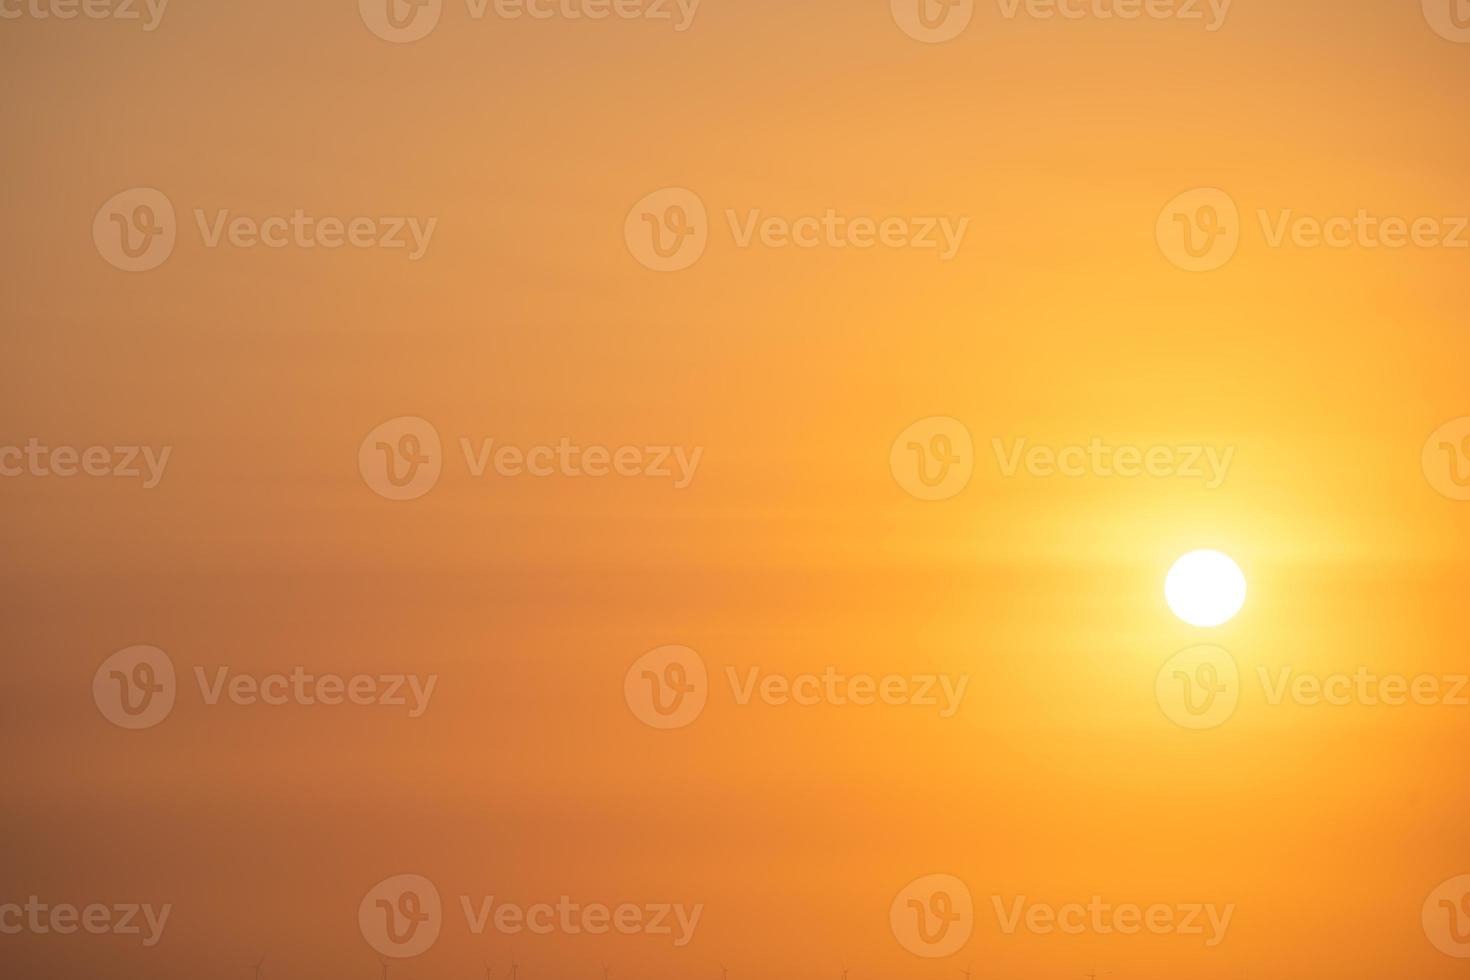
(771, 428)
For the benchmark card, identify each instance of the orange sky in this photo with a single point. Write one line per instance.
(793, 548)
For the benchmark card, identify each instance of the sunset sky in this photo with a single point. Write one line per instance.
(767, 395)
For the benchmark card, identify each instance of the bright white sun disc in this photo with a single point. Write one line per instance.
(1205, 588)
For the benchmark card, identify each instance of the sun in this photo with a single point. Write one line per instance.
(1205, 588)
